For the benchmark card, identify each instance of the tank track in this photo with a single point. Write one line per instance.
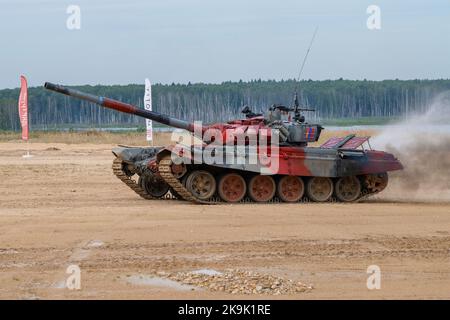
(182, 193)
(165, 172)
(365, 194)
(118, 171)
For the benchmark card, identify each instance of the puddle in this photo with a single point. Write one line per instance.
(144, 280)
(79, 255)
(208, 272)
(15, 265)
(60, 284)
(95, 243)
(32, 297)
(8, 251)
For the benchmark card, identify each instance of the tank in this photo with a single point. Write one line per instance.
(258, 158)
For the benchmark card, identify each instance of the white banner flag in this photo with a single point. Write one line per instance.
(148, 106)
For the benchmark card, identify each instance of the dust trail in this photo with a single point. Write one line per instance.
(422, 144)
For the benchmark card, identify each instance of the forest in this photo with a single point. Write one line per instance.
(332, 99)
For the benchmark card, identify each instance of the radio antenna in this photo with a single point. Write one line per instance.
(296, 103)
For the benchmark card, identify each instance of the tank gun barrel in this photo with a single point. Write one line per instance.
(121, 106)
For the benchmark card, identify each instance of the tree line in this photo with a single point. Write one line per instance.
(332, 99)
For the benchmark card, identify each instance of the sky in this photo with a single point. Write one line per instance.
(210, 41)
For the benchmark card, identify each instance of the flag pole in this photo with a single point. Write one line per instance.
(28, 155)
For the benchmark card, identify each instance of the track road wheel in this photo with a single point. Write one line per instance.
(153, 185)
(261, 188)
(179, 170)
(290, 188)
(201, 184)
(232, 187)
(319, 189)
(376, 182)
(347, 189)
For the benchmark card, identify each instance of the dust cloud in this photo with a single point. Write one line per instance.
(422, 144)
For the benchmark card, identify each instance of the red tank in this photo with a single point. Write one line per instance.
(260, 158)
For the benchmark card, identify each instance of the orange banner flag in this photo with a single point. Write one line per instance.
(23, 107)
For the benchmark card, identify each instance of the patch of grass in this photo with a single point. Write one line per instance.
(364, 121)
(95, 137)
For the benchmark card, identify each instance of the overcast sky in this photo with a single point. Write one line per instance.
(123, 42)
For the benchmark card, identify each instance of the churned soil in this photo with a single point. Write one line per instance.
(64, 207)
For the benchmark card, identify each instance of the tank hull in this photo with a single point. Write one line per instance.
(367, 170)
(345, 175)
(311, 161)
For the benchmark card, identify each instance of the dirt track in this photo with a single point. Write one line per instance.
(65, 207)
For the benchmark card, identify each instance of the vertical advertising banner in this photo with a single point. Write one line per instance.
(23, 107)
(148, 106)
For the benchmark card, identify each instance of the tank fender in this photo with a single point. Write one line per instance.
(134, 154)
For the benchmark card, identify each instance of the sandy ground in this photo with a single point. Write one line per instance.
(65, 207)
